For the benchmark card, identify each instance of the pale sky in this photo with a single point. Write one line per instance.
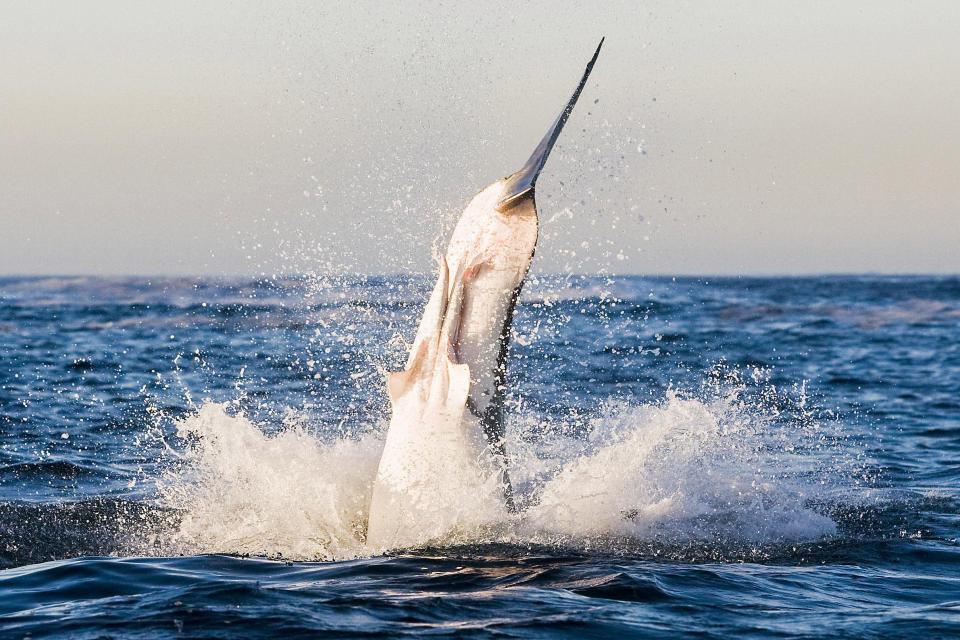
(249, 137)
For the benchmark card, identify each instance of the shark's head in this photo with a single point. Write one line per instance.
(521, 185)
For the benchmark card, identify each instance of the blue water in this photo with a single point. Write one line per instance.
(711, 457)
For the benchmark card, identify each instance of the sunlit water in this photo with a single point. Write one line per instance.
(726, 457)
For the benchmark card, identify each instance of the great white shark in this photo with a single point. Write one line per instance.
(444, 464)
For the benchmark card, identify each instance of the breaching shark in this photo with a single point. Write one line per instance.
(444, 464)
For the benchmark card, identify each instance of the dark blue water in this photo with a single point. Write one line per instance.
(709, 457)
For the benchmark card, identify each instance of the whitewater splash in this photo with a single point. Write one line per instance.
(684, 471)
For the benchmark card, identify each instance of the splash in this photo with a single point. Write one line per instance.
(681, 472)
(242, 491)
(684, 471)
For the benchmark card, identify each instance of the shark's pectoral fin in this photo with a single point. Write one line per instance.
(424, 350)
(433, 315)
(434, 377)
(400, 383)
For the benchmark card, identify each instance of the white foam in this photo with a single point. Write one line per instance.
(682, 471)
(290, 494)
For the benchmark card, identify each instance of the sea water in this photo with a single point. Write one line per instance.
(727, 457)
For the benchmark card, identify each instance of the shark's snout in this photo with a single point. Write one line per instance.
(521, 184)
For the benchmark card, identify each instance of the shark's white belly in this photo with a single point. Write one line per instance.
(437, 475)
(501, 246)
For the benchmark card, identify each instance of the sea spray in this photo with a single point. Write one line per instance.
(242, 491)
(684, 471)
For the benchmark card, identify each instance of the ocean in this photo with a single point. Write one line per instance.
(709, 457)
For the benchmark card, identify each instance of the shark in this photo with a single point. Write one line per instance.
(444, 469)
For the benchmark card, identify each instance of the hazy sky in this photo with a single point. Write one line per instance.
(243, 137)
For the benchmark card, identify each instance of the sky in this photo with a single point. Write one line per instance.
(270, 138)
